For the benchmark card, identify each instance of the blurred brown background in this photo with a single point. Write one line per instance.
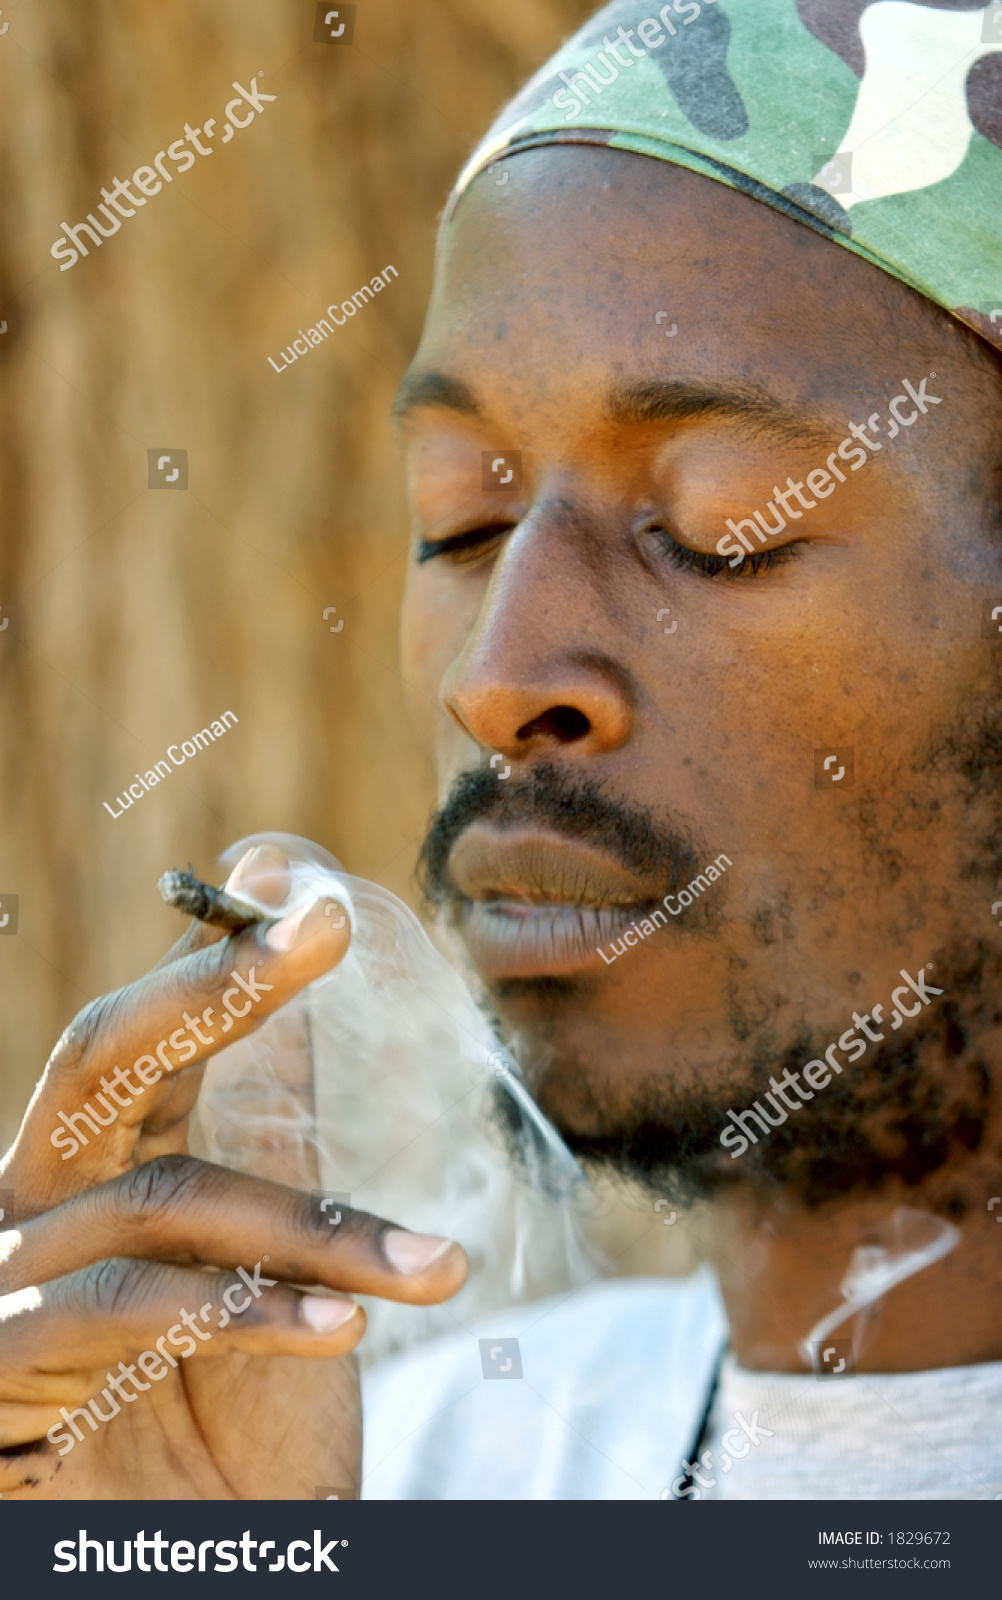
(136, 616)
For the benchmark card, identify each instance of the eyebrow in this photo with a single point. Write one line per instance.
(434, 389)
(670, 400)
(758, 410)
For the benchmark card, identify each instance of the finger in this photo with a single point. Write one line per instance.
(263, 871)
(179, 1209)
(143, 1319)
(165, 1130)
(195, 937)
(173, 1018)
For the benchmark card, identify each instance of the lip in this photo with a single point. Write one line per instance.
(511, 940)
(535, 904)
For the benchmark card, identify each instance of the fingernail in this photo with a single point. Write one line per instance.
(264, 872)
(283, 935)
(412, 1252)
(323, 1315)
(251, 860)
(241, 866)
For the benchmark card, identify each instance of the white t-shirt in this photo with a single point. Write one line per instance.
(875, 1436)
(614, 1385)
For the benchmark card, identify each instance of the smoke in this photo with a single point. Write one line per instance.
(377, 1081)
(908, 1241)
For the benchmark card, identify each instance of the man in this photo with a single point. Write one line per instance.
(742, 692)
(699, 629)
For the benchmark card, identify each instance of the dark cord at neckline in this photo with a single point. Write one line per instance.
(700, 1435)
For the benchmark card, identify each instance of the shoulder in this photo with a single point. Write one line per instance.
(611, 1374)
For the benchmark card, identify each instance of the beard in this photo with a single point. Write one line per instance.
(918, 1105)
(912, 1108)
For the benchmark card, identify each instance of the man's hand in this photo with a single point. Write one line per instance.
(131, 1246)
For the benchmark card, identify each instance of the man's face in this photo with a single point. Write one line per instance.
(652, 710)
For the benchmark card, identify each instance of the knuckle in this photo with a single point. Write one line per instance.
(210, 963)
(78, 1041)
(150, 1194)
(361, 1227)
(111, 1288)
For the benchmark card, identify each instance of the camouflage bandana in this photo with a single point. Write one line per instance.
(878, 125)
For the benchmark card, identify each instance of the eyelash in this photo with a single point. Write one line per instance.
(681, 556)
(714, 566)
(459, 544)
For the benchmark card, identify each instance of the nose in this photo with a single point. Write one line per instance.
(543, 666)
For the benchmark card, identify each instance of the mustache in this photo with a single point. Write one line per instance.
(579, 808)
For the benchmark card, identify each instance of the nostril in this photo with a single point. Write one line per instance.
(564, 723)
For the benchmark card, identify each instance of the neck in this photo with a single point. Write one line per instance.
(781, 1269)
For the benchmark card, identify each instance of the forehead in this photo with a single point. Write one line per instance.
(575, 271)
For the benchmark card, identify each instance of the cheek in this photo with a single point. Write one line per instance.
(419, 688)
(435, 622)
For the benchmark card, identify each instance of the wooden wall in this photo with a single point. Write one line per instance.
(135, 616)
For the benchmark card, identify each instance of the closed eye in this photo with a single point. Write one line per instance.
(708, 565)
(471, 543)
(714, 566)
